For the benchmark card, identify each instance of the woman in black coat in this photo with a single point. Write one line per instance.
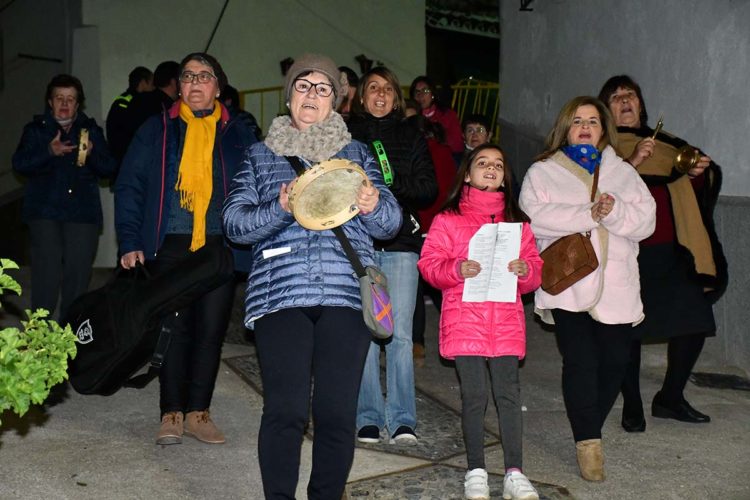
(403, 155)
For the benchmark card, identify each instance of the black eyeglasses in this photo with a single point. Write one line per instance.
(202, 77)
(303, 87)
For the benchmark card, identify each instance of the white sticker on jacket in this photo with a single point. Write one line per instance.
(273, 252)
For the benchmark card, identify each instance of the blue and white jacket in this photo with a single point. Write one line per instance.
(314, 270)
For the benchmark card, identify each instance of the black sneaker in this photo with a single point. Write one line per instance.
(404, 435)
(369, 434)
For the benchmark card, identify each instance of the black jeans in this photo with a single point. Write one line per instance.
(62, 254)
(595, 357)
(295, 347)
(506, 388)
(188, 374)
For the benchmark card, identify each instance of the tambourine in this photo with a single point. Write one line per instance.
(325, 196)
(83, 147)
(687, 158)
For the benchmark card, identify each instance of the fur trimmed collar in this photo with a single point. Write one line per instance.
(318, 143)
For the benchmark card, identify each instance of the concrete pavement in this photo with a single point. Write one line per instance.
(93, 447)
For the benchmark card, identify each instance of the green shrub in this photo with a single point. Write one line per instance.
(34, 359)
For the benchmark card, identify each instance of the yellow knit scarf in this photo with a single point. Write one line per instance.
(194, 178)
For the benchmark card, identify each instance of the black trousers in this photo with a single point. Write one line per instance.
(62, 254)
(327, 345)
(506, 389)
(595, 357)
(188, 374)
(682, 354)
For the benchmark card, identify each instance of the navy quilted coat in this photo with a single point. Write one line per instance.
(311, 268)
(57, 188)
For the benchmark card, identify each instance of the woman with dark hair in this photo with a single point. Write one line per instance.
(168, 199)
(682, 265)
(401, 151)
(424, 92)
(594, 317)
(61, 201)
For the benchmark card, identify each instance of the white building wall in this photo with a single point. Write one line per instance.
(691, 58)
(102, 40)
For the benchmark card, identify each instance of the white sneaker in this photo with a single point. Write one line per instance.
(516, 486)
(475, 486)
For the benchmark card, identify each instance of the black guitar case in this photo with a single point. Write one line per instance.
(118, 325)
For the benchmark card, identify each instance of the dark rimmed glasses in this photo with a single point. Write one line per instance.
(322, 89)
(202, 77)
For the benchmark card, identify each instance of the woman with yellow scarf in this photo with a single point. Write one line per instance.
(168, 198)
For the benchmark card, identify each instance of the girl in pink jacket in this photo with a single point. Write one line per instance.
(483, 334)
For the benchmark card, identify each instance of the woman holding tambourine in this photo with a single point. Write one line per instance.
(303, 297)
(683, 268)
(63, 155)
(594, 317)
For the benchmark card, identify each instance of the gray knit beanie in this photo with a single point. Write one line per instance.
(322, 64)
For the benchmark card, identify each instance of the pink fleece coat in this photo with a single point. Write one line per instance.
(559, 204)
(487, 329)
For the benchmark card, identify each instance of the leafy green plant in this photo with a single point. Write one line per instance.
(34, 359)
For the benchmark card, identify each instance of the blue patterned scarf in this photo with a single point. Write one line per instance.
(585, 155)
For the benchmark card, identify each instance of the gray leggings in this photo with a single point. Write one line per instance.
(506, 389)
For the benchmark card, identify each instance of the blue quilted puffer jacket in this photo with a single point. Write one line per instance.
(314, 270)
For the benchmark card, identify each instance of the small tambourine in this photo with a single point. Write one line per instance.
(325, 196)
(83, 147)
(687, 158)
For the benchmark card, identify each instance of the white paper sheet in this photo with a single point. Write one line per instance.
(494, 246)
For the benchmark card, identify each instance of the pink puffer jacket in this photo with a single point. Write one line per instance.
(487, 329)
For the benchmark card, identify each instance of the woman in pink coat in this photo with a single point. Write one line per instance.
(594, 318)
(483, 334)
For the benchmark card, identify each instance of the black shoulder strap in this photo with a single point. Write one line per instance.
(162, 345)
(345, 243)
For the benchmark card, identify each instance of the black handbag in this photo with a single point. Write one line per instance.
(118, 325)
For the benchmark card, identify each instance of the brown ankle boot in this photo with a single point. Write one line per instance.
(170, 431)
(590, 459)
(199, 425)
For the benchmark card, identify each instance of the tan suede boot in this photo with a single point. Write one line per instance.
(198, 424)
(590, 459)
(170, 431)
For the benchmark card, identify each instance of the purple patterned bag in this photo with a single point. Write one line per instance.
(376, 303)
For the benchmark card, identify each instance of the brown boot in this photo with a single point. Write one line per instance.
(590, 459)
(418, 355)
(198, 424)
(170, 431)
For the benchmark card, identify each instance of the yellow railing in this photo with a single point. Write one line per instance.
(477, 97)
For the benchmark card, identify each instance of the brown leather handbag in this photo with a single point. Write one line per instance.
(569, 259)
